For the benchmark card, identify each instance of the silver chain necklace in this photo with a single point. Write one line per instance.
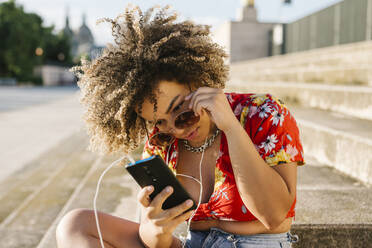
(201, 148)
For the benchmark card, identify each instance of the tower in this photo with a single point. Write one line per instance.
(67, 30)
(247, 12)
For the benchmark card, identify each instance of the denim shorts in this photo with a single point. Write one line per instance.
(218, 238)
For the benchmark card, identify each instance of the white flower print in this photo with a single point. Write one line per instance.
(238, 109)
(269, 143)
(277, 118)
(244, 209)
(252, 111)
(265, 110)
(220, 193)
(291, 150)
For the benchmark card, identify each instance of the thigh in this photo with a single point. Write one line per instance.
(116, 231)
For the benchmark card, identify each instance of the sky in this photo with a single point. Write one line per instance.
(211, 12)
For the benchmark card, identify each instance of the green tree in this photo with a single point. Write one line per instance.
(26, 43)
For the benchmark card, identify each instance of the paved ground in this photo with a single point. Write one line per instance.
(19, 97)
(33, 119)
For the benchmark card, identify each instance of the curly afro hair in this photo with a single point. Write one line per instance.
(148, 47)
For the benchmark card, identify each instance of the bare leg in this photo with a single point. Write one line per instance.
(78, 229)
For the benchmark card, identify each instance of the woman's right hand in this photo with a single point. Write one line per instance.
(157, 225)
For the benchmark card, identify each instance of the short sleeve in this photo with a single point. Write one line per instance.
(273, 129)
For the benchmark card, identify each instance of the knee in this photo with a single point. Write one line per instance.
(73, 223)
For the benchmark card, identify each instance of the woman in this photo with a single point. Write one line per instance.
(163, 80)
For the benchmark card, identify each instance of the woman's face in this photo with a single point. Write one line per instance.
(170, 97)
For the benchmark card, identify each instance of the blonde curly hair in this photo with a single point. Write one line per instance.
(148, 47)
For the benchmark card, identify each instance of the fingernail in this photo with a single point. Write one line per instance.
(188, 202)
(150, 188)
(168, 189)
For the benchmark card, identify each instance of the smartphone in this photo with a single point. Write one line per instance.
(154, 171)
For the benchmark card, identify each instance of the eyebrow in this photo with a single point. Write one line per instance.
(172, 102)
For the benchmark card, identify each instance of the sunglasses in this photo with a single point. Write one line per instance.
(183, 120)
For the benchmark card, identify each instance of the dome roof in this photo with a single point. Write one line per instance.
(84, 35)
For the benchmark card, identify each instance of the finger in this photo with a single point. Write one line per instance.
(206, 105)
(177, 210)
(202, 91)
(198, 91)
(199, 99)
(189, 96)
(159, 199)
(182, 218)
(144, 195)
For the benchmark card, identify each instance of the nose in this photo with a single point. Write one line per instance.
(177, 132)
(174, 130)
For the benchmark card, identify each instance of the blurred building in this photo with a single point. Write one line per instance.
(82, 44)
(347, 21)
(245, 38)
(82, 40)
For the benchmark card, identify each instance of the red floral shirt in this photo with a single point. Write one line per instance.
(275, 134)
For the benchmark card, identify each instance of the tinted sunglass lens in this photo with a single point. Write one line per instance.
(186, 119)
(161, 139)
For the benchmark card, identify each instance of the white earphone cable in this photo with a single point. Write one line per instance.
(97, 190)
(133, 161)
(200, 196)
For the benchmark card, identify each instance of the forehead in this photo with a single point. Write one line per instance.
(164, 94)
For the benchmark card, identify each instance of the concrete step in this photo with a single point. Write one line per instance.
(316, 60)
(348, 100)
(344, 64)
(33, 215)
(38, 210)
(117, 196)
(342, 142)
(356, 74)
(332, 210)
(18, 186)
(358, 51)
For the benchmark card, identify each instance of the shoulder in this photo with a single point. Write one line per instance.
(247, 105)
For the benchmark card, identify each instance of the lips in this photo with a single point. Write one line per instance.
(192, 133)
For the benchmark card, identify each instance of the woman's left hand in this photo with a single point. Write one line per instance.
(214, 101)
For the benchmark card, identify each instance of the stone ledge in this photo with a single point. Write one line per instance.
(344, 64)
(328, 235)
